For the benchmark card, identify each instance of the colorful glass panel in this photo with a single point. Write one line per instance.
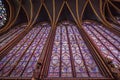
(70, 52)
(22, 59)
(10, 35)
(115, 26)
(3, 14)
(107, 42)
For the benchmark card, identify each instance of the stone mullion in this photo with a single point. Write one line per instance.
(60, 52)
(50, 54)
(33, 51)
(22, 54)
(12, 37)
(99, 59)
(107, 39)
(104, 45)
(15, 53)
(112, 29)
(7, 36)
(46, 55)
(12, 43)
(81, 54)
(107, 24)
(109, 35)
(41, 61)
(71, 56)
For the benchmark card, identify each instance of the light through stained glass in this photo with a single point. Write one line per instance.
(70, 54)
(107, 42)
(66, 69)
(115, 26)
(10, 35)
(3, 14)
(22, 59)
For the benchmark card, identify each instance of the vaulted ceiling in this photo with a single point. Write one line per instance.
(54, 11)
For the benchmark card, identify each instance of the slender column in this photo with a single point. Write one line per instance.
(106, 38)
(104, 45)
(81, 54)
(14, 54)
(60, 52)
(23, 53)
(10, 45)
(96, 54)
(45, 58)
(34, 49)
(71, 56)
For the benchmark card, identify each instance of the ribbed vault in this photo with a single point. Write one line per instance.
(76, 8)
(43, 24)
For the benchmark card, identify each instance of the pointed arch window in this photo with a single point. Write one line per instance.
(70, 55)
(107, 42)
(22, 59)
(3, 14)
(10, 35)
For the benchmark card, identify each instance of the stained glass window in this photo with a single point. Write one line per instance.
(115, 26)
(107, 42)
(3, 14)
(22, 59)
(118, 19)
(70, 55)
(10, 35)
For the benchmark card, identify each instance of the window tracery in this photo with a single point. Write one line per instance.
(3, 14)
(107, 42)
(22, 59)
(10, 35)
(70, 51)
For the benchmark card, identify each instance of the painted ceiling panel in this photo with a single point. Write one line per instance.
(89, 14)
(81, 4)
(65, 14)
(36, 6)
(113, 10)
(31, 7)
(72, 4)
(43, 16)
(116, 3)
(96, 7)
(58, 6)
(71, 57)
(49, 4)
(16, 6)
(27, 6)
(22, 17)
